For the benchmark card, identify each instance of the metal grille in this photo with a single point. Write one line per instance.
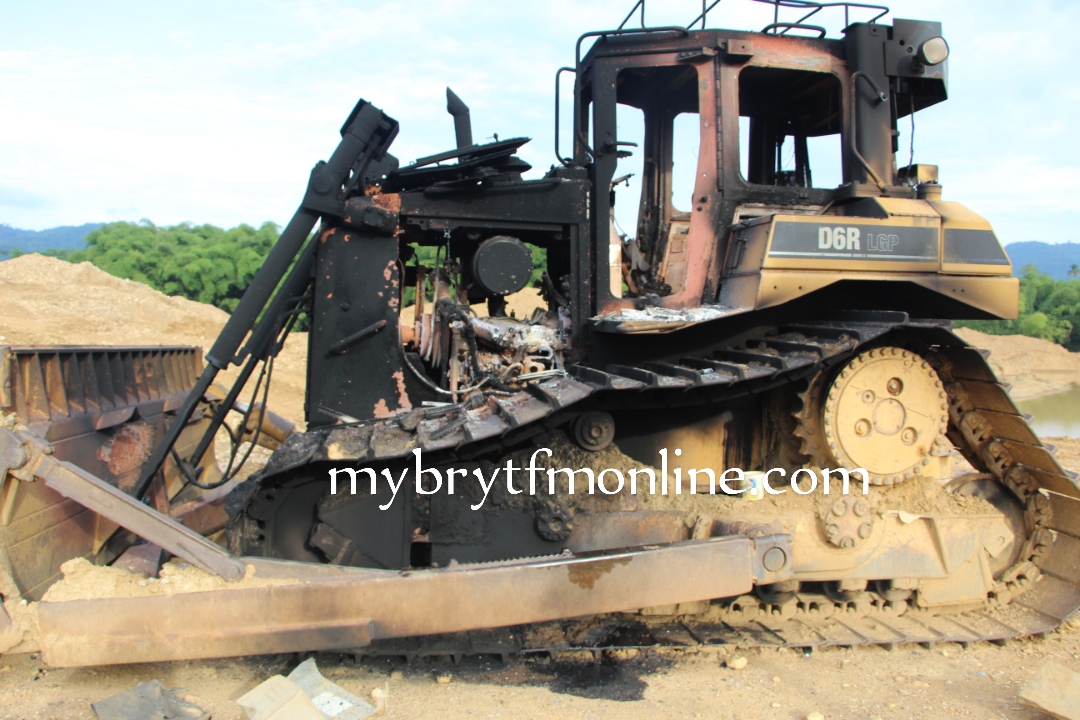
(51, 384)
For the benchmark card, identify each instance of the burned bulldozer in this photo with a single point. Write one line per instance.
(753, 316)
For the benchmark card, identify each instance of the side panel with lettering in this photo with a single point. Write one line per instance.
(854, 241)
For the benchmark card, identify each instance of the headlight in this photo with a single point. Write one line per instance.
(933, 51)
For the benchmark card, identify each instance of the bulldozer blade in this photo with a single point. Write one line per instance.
(332, 608)
(28, 457)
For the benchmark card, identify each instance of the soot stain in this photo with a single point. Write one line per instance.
(617, 680)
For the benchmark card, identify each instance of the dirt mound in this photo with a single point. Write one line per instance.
(53, 302)
(1033, 366)
(49, 301)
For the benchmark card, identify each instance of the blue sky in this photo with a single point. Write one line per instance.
(215, 112)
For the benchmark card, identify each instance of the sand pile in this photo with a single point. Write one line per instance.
(52, 302)
(1033, 366)
(85, 581)
(49, 301)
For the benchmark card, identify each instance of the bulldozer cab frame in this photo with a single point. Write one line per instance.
(787, 90)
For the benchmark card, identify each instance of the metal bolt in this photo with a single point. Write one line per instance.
(774, 559)
(865, 529)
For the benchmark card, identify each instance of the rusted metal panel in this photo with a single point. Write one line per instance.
(70, 396)
(112, 503)
(57, 384)
(627, 529)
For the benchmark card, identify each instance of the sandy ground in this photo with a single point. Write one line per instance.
(1034, 367)
(51, 302)
(910, 682)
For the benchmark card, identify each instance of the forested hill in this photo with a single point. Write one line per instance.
(1057, 260)
(65, 237)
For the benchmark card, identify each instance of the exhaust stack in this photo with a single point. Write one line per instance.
(462, 122)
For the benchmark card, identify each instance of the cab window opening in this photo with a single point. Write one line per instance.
(657, 108)
(685, 144)
(790, 126)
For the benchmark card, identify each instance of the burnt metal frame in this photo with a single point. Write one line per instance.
(365, 138)
(727, 189)
(737, 189)
(604, 70)
(865, 174)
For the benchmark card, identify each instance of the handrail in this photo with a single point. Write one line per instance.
(558, 74)
(816, 7)
(683, 32)
(793, 26)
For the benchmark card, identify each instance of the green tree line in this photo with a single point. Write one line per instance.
(1049, 309)
(204, 263)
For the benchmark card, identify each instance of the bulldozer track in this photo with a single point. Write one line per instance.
(1033, 597)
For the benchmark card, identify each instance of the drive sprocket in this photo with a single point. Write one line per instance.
(885, 410)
